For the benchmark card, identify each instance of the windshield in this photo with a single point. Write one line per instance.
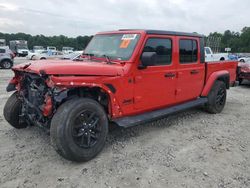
(115, 46)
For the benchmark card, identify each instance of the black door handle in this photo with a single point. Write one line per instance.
(194, 71)
(169, 75)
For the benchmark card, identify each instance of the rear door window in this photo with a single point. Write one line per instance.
(188, 51)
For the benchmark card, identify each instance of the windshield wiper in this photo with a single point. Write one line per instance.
(108, 59)
(89, 55)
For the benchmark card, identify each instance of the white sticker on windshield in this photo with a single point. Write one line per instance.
(129, 36)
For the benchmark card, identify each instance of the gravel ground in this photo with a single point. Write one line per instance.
(188, 149)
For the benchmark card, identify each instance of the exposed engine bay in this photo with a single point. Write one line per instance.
(40, 102)
(35, 97)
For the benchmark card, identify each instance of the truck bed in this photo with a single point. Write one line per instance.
(216, 66)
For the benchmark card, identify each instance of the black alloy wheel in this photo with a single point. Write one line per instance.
(221, 97)
(86, 129)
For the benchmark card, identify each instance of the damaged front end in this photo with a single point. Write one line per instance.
(36, 97)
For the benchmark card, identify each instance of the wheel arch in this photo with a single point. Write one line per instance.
(222, 58)
(102, 94)
(219, 75)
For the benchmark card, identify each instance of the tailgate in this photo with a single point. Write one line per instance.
(230, 66)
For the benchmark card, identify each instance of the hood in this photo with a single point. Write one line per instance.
(67, 67)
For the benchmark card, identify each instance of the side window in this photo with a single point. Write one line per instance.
(188, 51)
(2, 50)
(162, 48)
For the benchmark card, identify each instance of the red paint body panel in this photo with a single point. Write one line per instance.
(137, 90)
(216, 69)
(229, 66)
(211, 79)
(189, 86)
(62, 67)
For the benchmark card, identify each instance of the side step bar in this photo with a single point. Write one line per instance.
(130, 121)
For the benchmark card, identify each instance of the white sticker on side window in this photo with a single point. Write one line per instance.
(129, 36)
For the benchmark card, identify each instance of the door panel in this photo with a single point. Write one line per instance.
(190, 73)
(155, 85)
(155, 88)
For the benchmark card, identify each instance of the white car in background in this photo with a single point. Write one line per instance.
(74, 56)
(51, 48)
(44, 55)
(67, 50)
(38, 49)
(210, 56)
(244, 59)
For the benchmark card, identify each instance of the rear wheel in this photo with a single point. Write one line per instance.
(216, 97)
(12, 110)
(79, 129)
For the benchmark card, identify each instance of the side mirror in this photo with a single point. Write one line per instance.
(148, 59)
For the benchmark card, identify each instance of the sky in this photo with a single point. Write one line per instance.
(77, 17)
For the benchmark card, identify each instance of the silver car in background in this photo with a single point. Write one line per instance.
(6, 58)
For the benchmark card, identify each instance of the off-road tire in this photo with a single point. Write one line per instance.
(212, 106)
(61, 129)
(12, 111)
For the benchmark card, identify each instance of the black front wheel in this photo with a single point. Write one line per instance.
(12, 111)
(217, 97)
(79, 129)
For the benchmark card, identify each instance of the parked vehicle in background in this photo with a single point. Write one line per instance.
(210, 56)
(35, 55)
(233, 57)
(51, 48)
(127, 77)
(2, 42)
(6, 58)
(76, 55)
(243, 71)
(67, 50)
(38, 49)
(243, 59)
(44, 55)
(19, 47)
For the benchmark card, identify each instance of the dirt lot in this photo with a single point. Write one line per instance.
(189, 149)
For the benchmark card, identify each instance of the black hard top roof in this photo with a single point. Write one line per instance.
(162, 32)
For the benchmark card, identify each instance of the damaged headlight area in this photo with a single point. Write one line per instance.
(36, 97)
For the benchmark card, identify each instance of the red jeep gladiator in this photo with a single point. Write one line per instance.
(127, 77)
